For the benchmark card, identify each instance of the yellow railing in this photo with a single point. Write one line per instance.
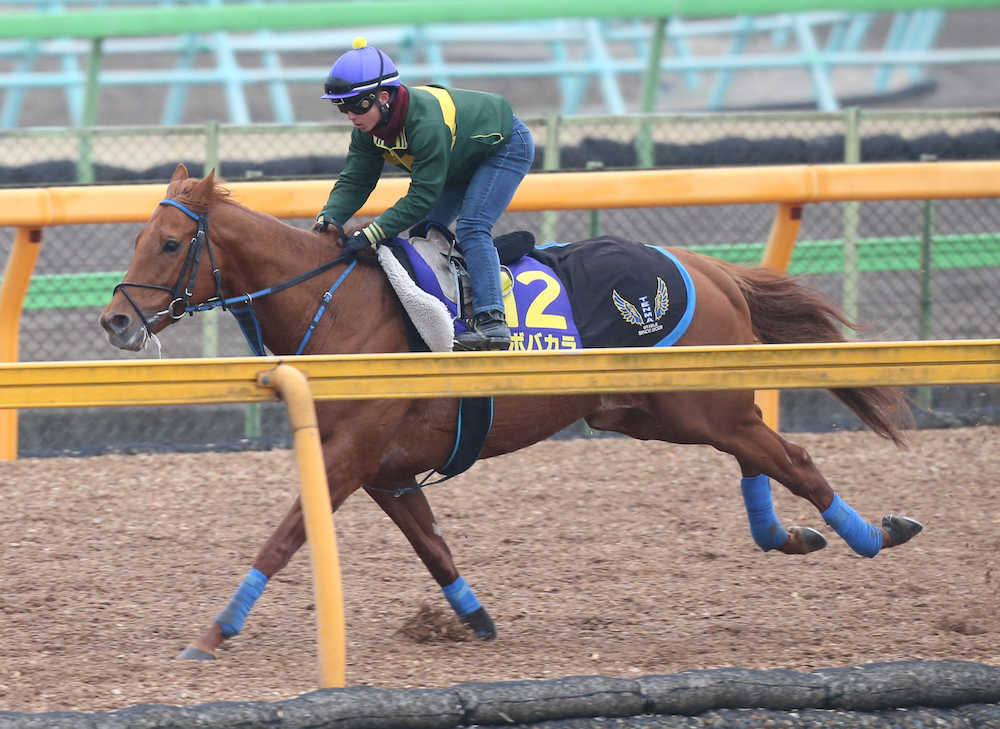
(799, 184)
(790, 187)
(461, 374)
(317, 514)
(13, 289)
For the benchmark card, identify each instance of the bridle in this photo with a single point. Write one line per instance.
(183, 289)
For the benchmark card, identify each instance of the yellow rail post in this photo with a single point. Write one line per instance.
(777, 255)
(317, 511)
(17, 275)
(781, 240)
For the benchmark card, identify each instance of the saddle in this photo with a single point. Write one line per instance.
(602, 292)
(431, 279)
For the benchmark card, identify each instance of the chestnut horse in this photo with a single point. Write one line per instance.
(182, 260)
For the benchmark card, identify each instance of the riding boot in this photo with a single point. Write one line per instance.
(488, 331)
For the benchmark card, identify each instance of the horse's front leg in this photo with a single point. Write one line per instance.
(280, 547)
(273, 556)
(409, 509)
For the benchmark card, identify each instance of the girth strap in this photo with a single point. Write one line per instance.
(475, 419)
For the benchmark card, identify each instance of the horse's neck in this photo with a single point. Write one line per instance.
(262, 252)
(259, 250)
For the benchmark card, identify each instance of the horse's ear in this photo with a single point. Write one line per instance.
(203, 191)
(181, 173)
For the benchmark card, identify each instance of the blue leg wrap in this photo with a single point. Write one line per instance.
(231, 619)
(463, 600)
(862, 537)
(765, 527)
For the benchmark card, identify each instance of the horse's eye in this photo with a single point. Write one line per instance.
(171, 245)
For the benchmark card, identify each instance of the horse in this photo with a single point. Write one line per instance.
(381, 446)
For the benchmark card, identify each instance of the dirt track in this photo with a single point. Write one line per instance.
(608, 557)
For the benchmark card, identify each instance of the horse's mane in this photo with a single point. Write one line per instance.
(189, 192)
(200, 197)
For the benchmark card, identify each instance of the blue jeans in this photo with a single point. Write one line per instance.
(479, 205)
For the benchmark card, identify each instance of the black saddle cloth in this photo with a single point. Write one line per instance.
(623, 293)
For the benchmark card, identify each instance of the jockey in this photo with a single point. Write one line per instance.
(466, 153)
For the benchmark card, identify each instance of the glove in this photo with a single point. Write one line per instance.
(323, 224)
(357, 242)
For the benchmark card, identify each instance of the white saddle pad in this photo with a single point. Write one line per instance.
(429, 315)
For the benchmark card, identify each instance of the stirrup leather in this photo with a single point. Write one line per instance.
(463, 281)
(455, 261)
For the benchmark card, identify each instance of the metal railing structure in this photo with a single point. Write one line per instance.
(564, 143)
(84, 384)
(920, 269)
(79, 52)
(790, 187)
(467, 374)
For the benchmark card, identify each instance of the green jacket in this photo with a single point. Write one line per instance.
(446, 135)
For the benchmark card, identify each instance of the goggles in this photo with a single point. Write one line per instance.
(355, 104)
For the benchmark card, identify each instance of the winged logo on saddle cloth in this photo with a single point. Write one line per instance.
(648, 319)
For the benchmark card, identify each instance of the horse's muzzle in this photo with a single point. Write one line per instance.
(124, 331)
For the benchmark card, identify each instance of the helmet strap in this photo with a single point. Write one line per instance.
(384, 107)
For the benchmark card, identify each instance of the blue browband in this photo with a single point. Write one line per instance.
(187, 211)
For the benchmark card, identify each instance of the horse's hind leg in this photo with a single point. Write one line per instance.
(273, 556)
(765, 527)
(731, 422)
(409, 509)
(761, 453)
(683, 418)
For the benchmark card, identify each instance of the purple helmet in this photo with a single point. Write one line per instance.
(363, 69)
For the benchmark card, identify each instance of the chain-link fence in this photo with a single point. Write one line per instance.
(922, 269)
(61, 156)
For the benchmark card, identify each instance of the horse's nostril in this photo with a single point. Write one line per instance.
(117, 323)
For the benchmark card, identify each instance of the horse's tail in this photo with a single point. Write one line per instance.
(784, 311)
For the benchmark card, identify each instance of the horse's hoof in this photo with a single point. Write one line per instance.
(802, 540)
(481, 623)
(196, 654)
(900, 529)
